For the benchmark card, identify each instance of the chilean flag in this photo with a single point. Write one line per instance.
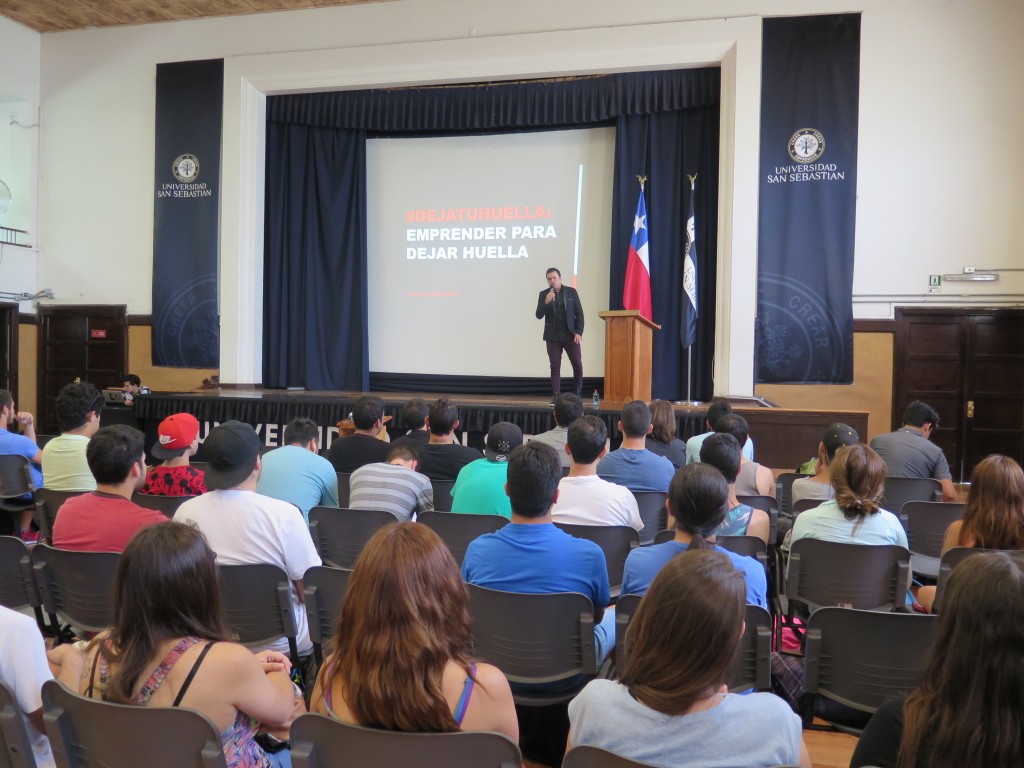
(636, 293)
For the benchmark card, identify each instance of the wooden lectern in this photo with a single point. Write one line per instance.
(628, 338)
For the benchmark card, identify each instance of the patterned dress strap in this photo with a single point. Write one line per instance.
(156, 679)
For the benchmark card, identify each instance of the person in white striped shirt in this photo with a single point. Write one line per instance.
(393, 485)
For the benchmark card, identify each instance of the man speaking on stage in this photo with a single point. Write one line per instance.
(562, 311)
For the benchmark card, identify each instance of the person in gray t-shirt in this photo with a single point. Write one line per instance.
(907, 452)
(568, 408)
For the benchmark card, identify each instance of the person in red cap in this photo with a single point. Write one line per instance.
(179, 441)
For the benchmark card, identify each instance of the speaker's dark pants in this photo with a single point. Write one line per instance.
(575, 355)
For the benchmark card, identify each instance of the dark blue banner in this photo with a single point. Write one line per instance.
(810, 89)
(189, 98)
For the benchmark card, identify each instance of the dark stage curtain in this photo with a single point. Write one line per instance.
(315, 252)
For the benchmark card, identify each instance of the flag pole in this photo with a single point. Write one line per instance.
(690, 295)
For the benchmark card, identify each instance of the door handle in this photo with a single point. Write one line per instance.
(970, 409)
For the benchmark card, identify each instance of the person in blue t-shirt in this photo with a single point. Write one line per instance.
(697, 500)
(530, 555)
(632, 465)
(24, 444)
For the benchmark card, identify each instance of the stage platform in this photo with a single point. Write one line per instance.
(784, 438)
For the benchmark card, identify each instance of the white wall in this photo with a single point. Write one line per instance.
(938, 167)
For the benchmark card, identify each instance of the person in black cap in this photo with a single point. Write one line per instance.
(480, 486)
(820, 487)
(242, 526)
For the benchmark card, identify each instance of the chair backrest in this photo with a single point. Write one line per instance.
(17, 587)
(802, 505)
(784, 491)
(15, 476)
(748, 546)
(950, 560)
(344, 488)
(257, 605)
(324, 592)
(661, 537)
(48, 502)
(458, 530)
(865, 576)
(652, 512)
(165, 505)
(76, 587)
(585, 756)
(863, 658)
(15, 747)
(625, 608)
(85, 733)
(442, 494)
(534, 639)
(321, 742)
(926, 523)
(769, 506)
(616, 541)
(340, 533)
(899, 490)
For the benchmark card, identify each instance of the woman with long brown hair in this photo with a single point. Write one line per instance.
(994, 513)
(968, 710)
(671, 706)
(401, 647)
(663, 438)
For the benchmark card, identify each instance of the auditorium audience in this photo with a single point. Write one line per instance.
(349, 453)
(402, 645)
(296, 472)
(662, 440)
(168, 628)
(78, 410)
(568, 408)
(909, 452)
(24, 444)
(443, 456)
(716, 410)
(105, 520)
(819, 487)
(531, 555)
(393, 485)
(177, 443)
(753, 478)
(480, 487)
(414, 419)
(722, 452)
(671, 706)
(23, 669)
(993, 516)
(244, 527)
(698, 502)
(583, 497)
(632, 465)
(966, 711)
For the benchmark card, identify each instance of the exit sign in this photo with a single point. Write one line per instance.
(98, 333)
(934, 281)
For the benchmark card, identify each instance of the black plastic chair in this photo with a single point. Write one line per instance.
(926, 523)
(616, 541)
(442, 494)
(899, 490)
(17, 585)
(87, 733)
(344, 479)
(586, 756)
(324, 592)
(804, 504)
(166, 505)
(340, 534)
(48, 502)
(15, 747)
(542, 641)
(257, 605)
(770, 507)
(669, 534)
(748, 546)
(458, 530)
(322, 742)
(950, 560)
(625, 608)
(16, 484)
(861, 659)
(784, 491)
(652, 512)
(75, 587)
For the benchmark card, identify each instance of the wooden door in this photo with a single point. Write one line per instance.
(9, 348)
(79, 342)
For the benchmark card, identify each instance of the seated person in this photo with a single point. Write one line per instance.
(671, 706)
(297, 473)
(133, 387)
(393, 485)
(177, 444)
(414, 419)
(662, 440)
(568, 408)
(425, 679)
(753, 479)
(363, 446)
(24, 444)
(993, 516)
(23, 669)
(169, 647)
(909, 452)
(819, 487)
(697, 501)
(583, 497)
(443, 456)
(965, 710)
(480, 486)
(632, 465)
(716, 410)
(106, 519)
(722, 452)
(531, 555)
(78, 417)
(854, 516)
